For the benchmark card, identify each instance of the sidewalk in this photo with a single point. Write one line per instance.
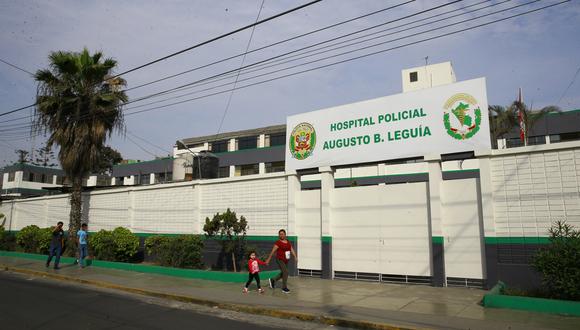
(345, 303)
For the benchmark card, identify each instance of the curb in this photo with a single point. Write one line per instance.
(326, 320)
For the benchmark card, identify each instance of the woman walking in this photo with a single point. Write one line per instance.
(283, 248)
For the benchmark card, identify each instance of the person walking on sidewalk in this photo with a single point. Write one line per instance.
(283, 248)
(254, 272)
(82, 240)
(56, 245)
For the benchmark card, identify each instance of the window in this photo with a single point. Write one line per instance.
(532, 140)
(274, 167)
(162, 177)
(249, 169)
(219, 146)
(144, 179)
(46, 178)
(278, 139)
(224, 172)
(250, 142)
(562, 137)
(413, 76)
(119, 181)
(30, 177)
(11, 176)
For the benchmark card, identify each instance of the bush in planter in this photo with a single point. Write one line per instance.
(33, 239)
(117, 245)
(559, 262)
(184, 251)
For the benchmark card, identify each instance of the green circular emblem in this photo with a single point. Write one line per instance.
(462, 116)
(302, 141)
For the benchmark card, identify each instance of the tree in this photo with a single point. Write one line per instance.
(78, 105)
(108, 158)
(530, 117)
(44, 157)
(230, 230)
(22, 156)
(501, 122)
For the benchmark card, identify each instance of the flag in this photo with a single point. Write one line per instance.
(521, 117)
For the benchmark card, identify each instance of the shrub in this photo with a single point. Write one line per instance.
(117, 245)
(7, 240)
(33, 239)
(559, 262)
(184, 251)
(230, 231)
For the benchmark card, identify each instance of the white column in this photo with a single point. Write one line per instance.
(547, 139)
(486, 193)
(232, 171)
(197, 211)
(131, 210)
(293, 191)
(326, 186)
(232, 145)
(262, 141)
(435, 180)
(54, 179)
(206, 146)
(113, 181)
(262, 168)
(152, 178)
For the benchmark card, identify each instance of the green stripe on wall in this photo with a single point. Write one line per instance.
(437, 240)
(517, 240)
(327, 239)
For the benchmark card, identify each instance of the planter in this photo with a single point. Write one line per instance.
(496, 299)
(169, 271)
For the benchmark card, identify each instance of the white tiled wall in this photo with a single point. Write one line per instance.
(532, 190)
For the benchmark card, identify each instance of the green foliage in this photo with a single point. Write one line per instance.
(184, 251)
(559, 262)
(7, 240)
(33, 239)
(231, 232)
(117, 245)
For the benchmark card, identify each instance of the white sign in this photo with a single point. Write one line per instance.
(445, 119)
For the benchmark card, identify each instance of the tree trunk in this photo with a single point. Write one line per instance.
(234, 261)
(75, 215)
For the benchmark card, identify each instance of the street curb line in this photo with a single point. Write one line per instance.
(327, 320)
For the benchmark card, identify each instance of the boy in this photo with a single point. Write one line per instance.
(283, 248)
(56, 244)
(254, 272)
(82, 236)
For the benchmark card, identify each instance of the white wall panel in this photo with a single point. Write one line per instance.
(461, 224)
(263, 202)
(308, 229)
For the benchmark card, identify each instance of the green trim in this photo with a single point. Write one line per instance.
(563, 112)
(371, 176)
(169, 271)
(495, 299)
(327, 239)
(517, 240)
(437, 240)
(143, 162)
(246, 150)
(459, 171)
(248, 237)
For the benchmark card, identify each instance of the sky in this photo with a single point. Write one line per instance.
(539, 52)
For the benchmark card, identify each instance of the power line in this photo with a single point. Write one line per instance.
(148, 142)
(16, 67)
(219, 37)
(239, 71)
(271, 45)
(358, 57)
(569, 85)
(193, 47)
(140, 147)
(284, 54)
(355, 58)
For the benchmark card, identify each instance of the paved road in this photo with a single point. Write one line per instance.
(35, 303)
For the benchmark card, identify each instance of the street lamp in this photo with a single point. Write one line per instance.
(181, 145)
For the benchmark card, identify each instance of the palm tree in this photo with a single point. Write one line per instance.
(530, 117)
(79, 106)
(501, 122)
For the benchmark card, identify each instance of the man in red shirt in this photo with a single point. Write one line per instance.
(283, 248)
